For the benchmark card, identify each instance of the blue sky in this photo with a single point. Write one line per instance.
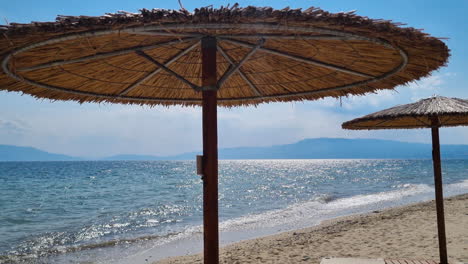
(95, 130)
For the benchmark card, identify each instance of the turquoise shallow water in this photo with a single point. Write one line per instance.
(57, 212)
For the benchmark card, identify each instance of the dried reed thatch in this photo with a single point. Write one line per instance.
(153, 57)
(448, 111)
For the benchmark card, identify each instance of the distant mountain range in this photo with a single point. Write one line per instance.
(15, 153)
(316, 148)
(340, 148)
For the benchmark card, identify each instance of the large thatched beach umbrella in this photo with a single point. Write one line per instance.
(431, 113)
(228, 57)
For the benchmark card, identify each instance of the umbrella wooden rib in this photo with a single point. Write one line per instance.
(285, 34)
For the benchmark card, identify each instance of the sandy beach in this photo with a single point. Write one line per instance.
(402, 232)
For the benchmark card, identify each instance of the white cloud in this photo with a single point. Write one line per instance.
(13, 130)
(428, 86)
(13, 127)
(278, 124)
(375, 99)
(424, 88)
(107, 130)
(379, 98)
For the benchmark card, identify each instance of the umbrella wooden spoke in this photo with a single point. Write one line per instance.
(153, 73)
(241, 73)
(381, 123)
(171, 34)
(420, 121)
(292, 37)
(234, 67)
(301, 59)
(443, 123)
(175, 74)
(102, 55)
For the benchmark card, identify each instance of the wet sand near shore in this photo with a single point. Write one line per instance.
(402, 232)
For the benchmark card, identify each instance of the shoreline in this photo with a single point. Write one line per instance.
(399, 232)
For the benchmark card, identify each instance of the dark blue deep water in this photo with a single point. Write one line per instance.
(106, 211)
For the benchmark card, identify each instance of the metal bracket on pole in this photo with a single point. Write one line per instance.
(200, 166)
(209, 88)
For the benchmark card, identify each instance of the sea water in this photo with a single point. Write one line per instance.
(141, 211)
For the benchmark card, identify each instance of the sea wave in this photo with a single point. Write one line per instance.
(321, 207)
(314, 209)
(17, 257)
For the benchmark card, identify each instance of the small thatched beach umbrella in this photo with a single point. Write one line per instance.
(431, 113)
(228, 57)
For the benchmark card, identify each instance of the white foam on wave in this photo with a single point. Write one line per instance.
(325, 207)
(295, 216)
(317, 209)
(367, 199)
(457, 188)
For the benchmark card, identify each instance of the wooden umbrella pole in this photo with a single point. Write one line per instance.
(438, 191)
(210, 152)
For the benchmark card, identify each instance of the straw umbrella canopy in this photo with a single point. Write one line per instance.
(434, 112)
(229, 56)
